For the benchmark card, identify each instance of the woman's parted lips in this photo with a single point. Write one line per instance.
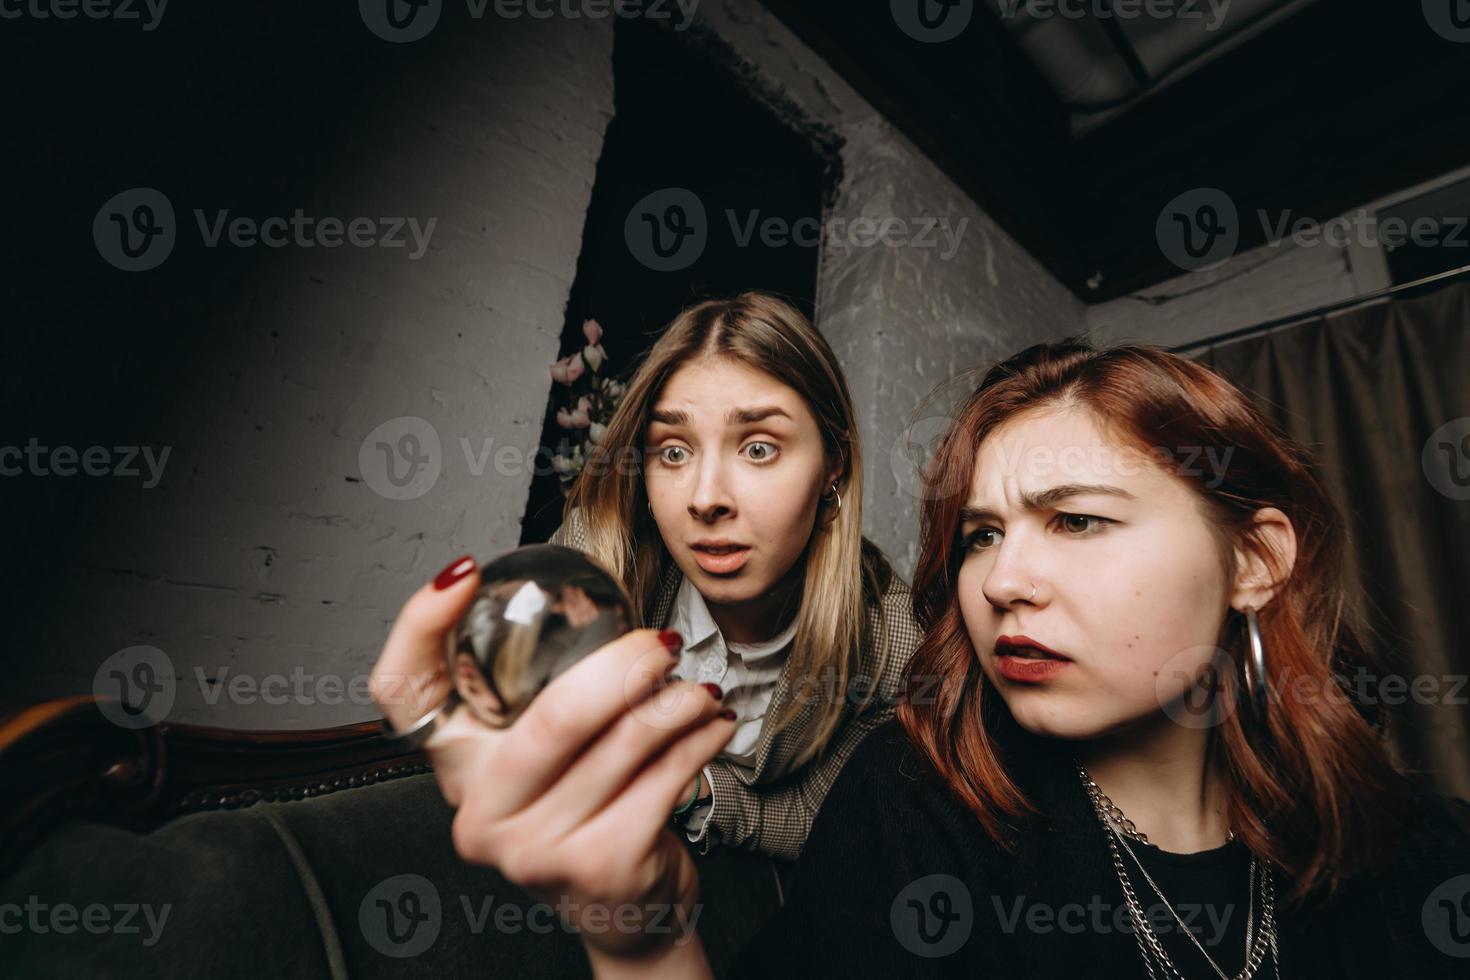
(718, 546)
(1022, 646)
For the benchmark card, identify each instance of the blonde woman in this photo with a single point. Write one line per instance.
(727, 496)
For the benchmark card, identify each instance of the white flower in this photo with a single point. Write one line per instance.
(597, 432)
(593, 354)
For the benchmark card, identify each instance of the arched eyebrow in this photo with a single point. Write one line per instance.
(735, 416)
(1044, 499)
(749, 416)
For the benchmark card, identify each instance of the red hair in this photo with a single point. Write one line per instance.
(1313, 789)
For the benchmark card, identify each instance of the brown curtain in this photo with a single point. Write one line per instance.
(1366, 390)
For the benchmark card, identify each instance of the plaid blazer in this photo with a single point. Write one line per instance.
(771, 808)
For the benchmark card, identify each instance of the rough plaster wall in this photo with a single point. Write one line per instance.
(1262, 285)
(262, 552)
(903, 319)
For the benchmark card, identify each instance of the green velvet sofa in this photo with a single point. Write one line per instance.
(189, 852)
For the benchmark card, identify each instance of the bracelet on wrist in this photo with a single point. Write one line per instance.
(694, 798)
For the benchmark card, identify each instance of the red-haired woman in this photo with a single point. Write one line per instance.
(1125, 751)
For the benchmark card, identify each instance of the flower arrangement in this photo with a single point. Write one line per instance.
(591, 399)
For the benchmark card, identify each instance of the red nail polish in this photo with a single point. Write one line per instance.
(728, 714)
(671, 640)
(457, 570)
(714, 691)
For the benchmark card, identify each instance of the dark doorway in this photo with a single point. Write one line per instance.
(699, 188)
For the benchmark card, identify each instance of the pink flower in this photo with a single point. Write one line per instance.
(579, 420)
(575, 367)
(592, 330)
(559, 373)
(593, 356)
(564, 419)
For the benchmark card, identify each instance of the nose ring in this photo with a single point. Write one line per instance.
(1033, 592)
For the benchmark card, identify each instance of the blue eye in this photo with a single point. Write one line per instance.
(768, 452)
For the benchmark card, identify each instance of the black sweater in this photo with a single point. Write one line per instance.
(899, 880)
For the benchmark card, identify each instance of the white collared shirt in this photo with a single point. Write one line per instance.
(746, 672)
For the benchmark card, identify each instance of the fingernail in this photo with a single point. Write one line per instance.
(457, 570)
(671, 640)
(728, 714)
(714, 691)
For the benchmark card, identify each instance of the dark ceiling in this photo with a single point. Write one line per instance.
(1312, 108)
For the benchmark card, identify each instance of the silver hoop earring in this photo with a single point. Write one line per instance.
(828, 499)
(1254, 667)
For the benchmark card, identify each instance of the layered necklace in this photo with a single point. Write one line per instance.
(1260, 938)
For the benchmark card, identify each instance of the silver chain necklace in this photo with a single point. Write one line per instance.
(1155, 959)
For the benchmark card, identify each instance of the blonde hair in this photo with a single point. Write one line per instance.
(769, 335)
